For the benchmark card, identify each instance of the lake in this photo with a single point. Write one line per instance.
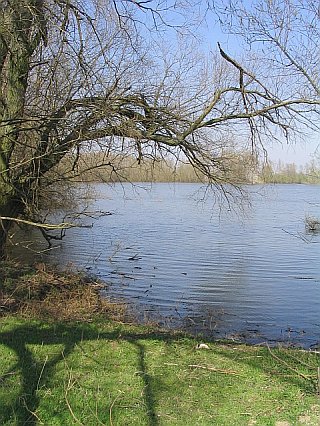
(250, 275)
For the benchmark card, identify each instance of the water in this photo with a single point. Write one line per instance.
(251, 275)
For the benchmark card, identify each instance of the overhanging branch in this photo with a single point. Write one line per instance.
(52, 226)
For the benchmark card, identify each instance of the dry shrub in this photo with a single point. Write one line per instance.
(312, 224)
(65, 296)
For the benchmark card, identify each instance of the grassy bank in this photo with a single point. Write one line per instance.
(92, 369)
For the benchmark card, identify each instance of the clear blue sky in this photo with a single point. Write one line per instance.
(299, 153)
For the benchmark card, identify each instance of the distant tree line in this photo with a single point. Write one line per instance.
(290, 173)
(241, 167)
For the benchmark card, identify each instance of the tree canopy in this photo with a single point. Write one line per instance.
(104, 75)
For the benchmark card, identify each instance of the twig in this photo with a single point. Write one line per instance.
(111, 407)
(43, 367)
(33, 413)
(3, 376)
(95, 415)
(68, 403)
(69, 386)
(299, 236)
(286, 364)
(297, 360)
(218, 370)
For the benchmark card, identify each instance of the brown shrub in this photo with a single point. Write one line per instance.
(44, 293)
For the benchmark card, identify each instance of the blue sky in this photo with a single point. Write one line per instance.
(299, 153)
(305, 148)
(209, 33)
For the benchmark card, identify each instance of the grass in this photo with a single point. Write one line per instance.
(97, 371)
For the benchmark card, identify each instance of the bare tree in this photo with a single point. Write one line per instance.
(282, 36)
(88, 75)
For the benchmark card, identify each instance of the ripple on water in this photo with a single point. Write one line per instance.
(166, 252)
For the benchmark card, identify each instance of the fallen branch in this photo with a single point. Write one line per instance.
(63, 225)
(287, 365)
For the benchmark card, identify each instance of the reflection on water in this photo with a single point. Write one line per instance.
(250, 275)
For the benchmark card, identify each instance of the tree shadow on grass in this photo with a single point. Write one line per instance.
(33, 372)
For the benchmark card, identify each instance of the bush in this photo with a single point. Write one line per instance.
(312, 224)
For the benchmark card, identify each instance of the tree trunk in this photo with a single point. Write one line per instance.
(3, 240)
(8, 208)
(18, 41)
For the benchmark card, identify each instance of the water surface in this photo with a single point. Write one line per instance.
(253, 276)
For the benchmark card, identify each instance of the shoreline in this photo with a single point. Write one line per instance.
(42, 292)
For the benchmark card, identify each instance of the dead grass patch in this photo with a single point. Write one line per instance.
(43, 293)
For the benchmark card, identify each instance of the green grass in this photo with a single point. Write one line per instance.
(106, 373)
(62, 362)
